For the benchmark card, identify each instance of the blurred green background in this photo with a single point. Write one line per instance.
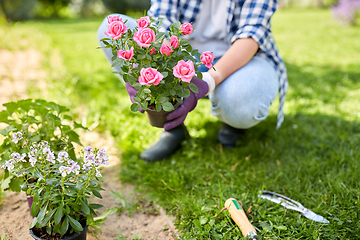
(19, 10)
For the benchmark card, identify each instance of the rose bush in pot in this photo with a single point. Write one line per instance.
(158, 65)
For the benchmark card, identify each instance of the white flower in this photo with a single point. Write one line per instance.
(62, 156)
(16, 137)
(49, 155)
(97, 173)
(32, 160)
(9, 165)
(87, 166)
(64, 170)
(74, 167)
(90, 158)
(102, 157)
(88, 150)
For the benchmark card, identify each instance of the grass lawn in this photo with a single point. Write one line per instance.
(314, 158)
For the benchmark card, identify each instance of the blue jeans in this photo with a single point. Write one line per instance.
(243, 99)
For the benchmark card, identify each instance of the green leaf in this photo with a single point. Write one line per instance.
(158, 107)
(141, 56)
(34, 209)
(172, 92)
(75, 224)
(165, 74)
(95, 206)
(5, 183)
(185, 93)
(125, 68)
(59, 214)
(47, 218)
(106, 213)
(96, 193)
(42, 214)
(176, 26)
(168, 107)
(73, 137)
(163, 100)
(159, 37)
(146, 90)
(78, 125)
(199, 75)
(33, 223)
(80, 185)
(4, 116)
(8, 129)
(144, 105)
(36, 138)
(131, 79)
(117, 62)
(203, 220)
(64, 226)
(84, 207)
(193, 88)
(135, 107)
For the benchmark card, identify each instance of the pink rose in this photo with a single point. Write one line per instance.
(165, 49)
(116, 29)
(207, 58)
(113, 19)
(126, 55)
(150, 76)
(144, 37)
(186, 28)
(174, 42)
(153, 50)
(143, 22)
(184, 70)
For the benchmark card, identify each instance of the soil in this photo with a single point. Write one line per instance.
(19, 69)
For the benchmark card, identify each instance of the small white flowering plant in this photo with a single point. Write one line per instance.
(62, 188)
(159, 64)
(33, 120)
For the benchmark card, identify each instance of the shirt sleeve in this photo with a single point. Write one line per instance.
(166, 9)
(255, 21)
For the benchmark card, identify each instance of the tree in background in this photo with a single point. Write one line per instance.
(52, 8)
(122, 6)
(18, 10)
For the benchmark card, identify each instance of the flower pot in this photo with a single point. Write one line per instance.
(76, 236)
(30, 202)
(158, 119)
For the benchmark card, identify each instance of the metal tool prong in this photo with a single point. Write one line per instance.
(291, 204)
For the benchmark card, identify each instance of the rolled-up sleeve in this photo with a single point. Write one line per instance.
(166, 9)
(255, 21)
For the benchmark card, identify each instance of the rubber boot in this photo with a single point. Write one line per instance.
(228, 136)
(169, 142)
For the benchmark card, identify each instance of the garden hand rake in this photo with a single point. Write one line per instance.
(291, 204)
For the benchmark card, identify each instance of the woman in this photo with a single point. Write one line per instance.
(249, 70)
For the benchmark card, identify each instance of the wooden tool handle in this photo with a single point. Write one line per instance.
(239, 216)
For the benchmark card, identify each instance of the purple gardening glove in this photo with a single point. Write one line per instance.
(132, 92)
(178, 116)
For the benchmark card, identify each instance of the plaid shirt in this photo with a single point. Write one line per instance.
(246, 18)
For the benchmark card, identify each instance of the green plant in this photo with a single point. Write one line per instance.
(160, 72)
(121, 236)
(4, 237)
(31, 121)
(62, 187)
